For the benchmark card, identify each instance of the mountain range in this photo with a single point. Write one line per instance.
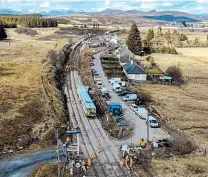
(153, 14)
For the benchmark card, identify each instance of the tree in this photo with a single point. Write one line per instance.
(134, 40)
(167, 36)
(146, 47)
(3, 34)
(176, 73)
(176, 38)
(183, 37)
(150, 35)
(184, 24)
(158, 39)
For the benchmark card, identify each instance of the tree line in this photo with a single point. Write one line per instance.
(10, 21)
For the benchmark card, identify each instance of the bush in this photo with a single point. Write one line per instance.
(26, 31)
(183, 145)
(176, 73)
(144, 97)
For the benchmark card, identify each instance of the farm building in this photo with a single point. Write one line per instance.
(134, 72)
(125, 59)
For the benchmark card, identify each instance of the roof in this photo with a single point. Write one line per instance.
(85, 97)
(133, 68)
(126, 58)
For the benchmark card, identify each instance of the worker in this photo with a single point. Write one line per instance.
(142, 143)
(89, 162)
(131, 162)
(99, 147)
(92, 155)
(121, 163)
(84, 166)
(127, 159)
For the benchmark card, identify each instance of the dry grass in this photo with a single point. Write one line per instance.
(46, 170)
(20, 66)
(185, 107)
(179, 167)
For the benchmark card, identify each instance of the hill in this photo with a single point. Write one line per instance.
(172, 18)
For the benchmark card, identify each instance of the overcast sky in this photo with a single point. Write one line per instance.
(191, 6)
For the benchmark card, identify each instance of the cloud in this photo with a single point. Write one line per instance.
(107, 3)
(45, 4)
(167, 4)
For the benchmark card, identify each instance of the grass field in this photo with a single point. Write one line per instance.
(23, 107)
(184, 107)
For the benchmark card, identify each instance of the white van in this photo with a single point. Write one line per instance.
(153, 122)
(129, 97)
(116, 87)
(113, 80)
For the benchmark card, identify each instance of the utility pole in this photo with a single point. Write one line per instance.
(78, 144)
(147, 128)
(57, 141)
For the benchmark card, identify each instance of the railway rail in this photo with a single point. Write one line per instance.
(106, 162)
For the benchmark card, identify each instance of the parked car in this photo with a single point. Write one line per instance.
(92, 64)
(130, 97)
(153, 122)
(142, 113)
(123, 93)
(99, 84)
(106, 95)
(95, 73)
(134, 107)
(96, 79)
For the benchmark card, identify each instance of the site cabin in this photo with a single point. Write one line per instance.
(114, 108)
(88, 105)
(134, 72)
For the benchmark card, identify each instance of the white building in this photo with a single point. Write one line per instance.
(134, 72)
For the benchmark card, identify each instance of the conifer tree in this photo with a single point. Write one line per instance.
(3, 34)
(150, 35)
(134, 40)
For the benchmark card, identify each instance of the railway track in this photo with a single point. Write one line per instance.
(106, 162)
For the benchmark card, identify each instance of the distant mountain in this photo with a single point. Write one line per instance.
(152, 14)
(172, 18)
(10, 11)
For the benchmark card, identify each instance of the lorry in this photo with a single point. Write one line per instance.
(116, 87)
(130, 97)
(114, 108)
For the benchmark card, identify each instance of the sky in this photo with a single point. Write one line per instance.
(31, 6)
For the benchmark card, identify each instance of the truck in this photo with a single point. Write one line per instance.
(130, 97)
(114, 108)
(116, 87)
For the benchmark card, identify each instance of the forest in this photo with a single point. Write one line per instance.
(11, 21)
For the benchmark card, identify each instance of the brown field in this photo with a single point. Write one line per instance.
(22, 103)
(184, 107)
